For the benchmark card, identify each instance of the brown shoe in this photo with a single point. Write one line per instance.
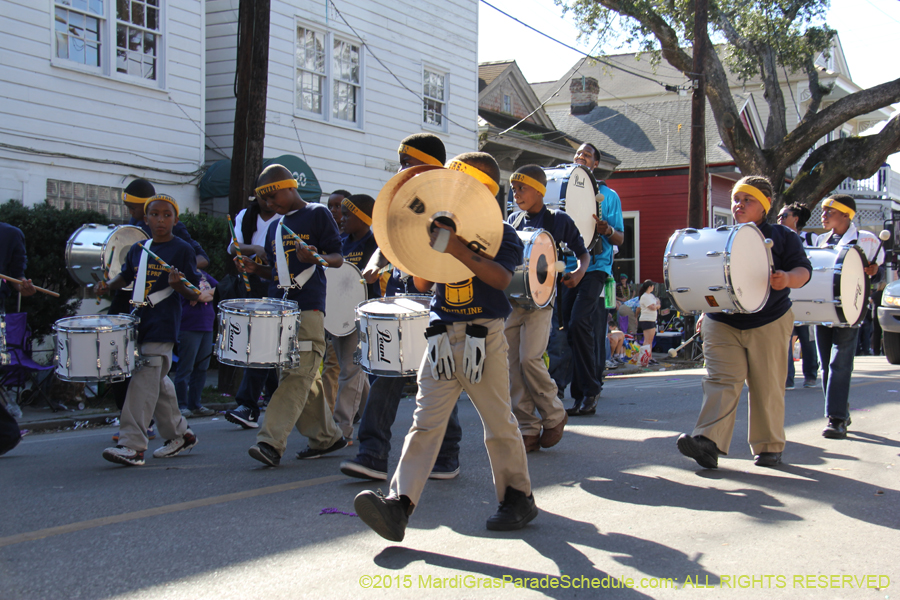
(550, 437)
(532, 442)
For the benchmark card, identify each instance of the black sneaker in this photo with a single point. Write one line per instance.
(365, 467)
(767, 459)
(243, 416)
(836, 429)
(575, 410)
(701, 449)
(589, 405)
(387, 516)
(265, 454)
(516, 511)
(445, 469)
(311, 453)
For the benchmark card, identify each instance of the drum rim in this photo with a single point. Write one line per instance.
(130, 323)
(735, 229)
(568, 168)
(523, 268)
(395, 316)
(225, 306)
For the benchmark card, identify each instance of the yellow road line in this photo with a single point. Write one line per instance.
(163, 510)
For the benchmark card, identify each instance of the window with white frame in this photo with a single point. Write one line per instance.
(434, 96)
(329, 76)
(126, 43)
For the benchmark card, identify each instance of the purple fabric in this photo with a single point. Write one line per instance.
(200, 316)
(18, 346)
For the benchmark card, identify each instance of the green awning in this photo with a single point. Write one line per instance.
(216, 180)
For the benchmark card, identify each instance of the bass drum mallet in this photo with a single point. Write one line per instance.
(673, 352)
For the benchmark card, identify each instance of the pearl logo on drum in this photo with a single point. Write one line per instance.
(234, 329)
(384, 337)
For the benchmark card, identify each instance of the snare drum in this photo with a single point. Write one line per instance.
(837, 292)
(718, 270)
(258, 334)
(534, 281)
(572, 189)
(96, 252)
(344, 292)
(392, 335)
(96, 347)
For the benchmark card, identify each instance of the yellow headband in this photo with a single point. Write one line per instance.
(529, 181)
(832, 203)
(749, 189)
(129, 199)
(355, 210)
(270, 188)
(163, 198)
(419, 155)
(476, 173)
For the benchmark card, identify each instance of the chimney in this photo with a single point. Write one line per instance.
(584, 91)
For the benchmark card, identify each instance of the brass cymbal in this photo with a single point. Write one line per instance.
(385, 196)
(453, 198)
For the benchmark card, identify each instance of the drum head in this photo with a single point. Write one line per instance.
(749, 268)
(264, 306)
(853, 286)
(397, 305)
(117, 247)
(345, 290)
(571, 189)
(95, 322)
(540, 263)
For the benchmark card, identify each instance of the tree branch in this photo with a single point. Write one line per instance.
(816, 91)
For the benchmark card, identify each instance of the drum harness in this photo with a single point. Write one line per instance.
(299, 281)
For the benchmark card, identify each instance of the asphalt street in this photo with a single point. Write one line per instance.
(620, 509)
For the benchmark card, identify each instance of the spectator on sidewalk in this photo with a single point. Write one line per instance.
(195, 347)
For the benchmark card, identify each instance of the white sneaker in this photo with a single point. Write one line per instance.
(124, 456)
(176, 446)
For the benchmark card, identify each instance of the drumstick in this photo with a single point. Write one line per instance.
(321, 260)
(169, 268)
(884, 236)
(381, 271)
(769, 243)
(673, 352)
(19, 281)
(238, 250)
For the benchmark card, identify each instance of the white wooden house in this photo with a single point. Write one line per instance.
(348, 80)
(97, 92)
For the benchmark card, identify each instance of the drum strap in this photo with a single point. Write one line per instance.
(140, 284)
(281, 265)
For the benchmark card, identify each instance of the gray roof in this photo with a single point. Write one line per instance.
(645, 135)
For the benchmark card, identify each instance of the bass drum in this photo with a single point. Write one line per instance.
(96, 252)
(533, 284)
(573, 190)
(344, 291)
(837, 292)
(718, 270)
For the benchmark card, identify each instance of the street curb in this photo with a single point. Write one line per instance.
(70, 422)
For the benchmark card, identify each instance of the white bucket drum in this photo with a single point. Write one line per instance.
(718, 270)
(96, 347)
(837, 292)
(572, 189)
(344, 291)
(258, 334)
(534, 281)
(392, 335)
(96, 252)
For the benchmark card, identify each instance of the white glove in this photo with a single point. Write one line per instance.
(440, 354)
(473, 358)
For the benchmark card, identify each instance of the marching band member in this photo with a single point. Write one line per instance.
(464, 354)
(331, 370)
(528, 329)
(837, 345)
(299, 399)
(750, 348)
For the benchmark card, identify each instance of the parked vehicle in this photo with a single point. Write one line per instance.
(889, 317)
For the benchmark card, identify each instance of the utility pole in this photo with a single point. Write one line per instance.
(698, 118)
(251, 86)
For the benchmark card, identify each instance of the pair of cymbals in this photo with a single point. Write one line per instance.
(410, 203)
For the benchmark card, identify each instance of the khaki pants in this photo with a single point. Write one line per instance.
(151, 394)
(435, 401)
(300, 398)
(733, 356)
(530, 385)
(353, 385)
(330, 372)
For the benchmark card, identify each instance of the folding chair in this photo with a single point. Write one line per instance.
(19, 369)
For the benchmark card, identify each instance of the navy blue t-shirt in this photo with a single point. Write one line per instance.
(12, 256)
(162, 322)
(179, 231)
(563, 230)
(315, 226)
(358, 254)
(787, 254)
(473, 299)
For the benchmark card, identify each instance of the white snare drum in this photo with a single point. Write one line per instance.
(98, 251)
(534, 281)
(572, 189)
(96, 347)
(718, 270)
(837, 292)
(258, 334)
(392, 335)
(345, 291)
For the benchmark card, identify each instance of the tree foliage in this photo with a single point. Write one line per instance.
(764, 41)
